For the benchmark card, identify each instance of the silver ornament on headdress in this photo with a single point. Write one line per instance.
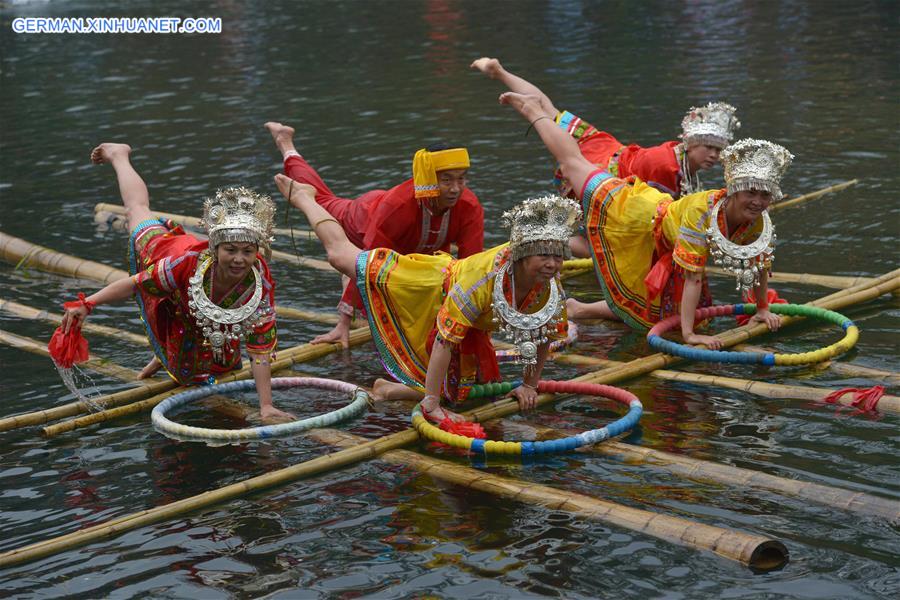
(755, 165)
(713, 124)
(238, 214)
(222, 325)
(744, 262)
(542, 226)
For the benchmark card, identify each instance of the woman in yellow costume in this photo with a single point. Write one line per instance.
(431, 315)
(649, 252)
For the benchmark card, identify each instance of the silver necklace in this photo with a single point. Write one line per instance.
(744, 262)
(221, 325)
(690, 182)
(525, 331)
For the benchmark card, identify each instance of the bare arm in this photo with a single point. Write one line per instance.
(762, 305)
(575, 167)
(527, 393)
(117, 291)
(690, 298)
(493, 69)
(438, 364)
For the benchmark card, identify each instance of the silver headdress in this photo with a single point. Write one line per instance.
(713, 124)
(238, 214)
(542, 226)
(755, 165)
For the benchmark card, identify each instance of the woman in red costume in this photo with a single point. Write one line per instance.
(198, 299)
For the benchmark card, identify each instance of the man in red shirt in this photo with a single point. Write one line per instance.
(424, 214)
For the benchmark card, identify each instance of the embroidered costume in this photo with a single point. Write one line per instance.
(163, 259)
(642, 241)
(399, 218)
(664, 167)
(411, 299)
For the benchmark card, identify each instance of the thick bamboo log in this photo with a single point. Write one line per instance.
(22, 252)
(298, 354)
(693, 468)
(315, 317)
(812, 195)
(27, 312)
(755, 551)
(193, 222)
(95, 363)
(887, 403)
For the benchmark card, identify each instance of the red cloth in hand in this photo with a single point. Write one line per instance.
(67, 349)
(772, 297)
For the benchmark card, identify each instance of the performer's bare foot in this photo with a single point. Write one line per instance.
(576, 310)
(150, 370)
(489, 66)
(391, 390)
(109, 152)
(283, 136)
(435, 413)
(300, 193)
(270, 414)
(340, 334)
(529, 106)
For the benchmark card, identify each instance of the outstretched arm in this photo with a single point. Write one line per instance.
(493, 69)
(575, 167)
(121, 289)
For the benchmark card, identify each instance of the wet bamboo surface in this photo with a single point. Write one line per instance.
(94, 363)
(193, 222)
(693, 468)
(366, 450)
(790, 202)
(841, 368)
(290, 357)
(751, 550)
(25, 254)
(27, 312)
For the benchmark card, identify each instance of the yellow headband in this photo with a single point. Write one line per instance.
(427, 164)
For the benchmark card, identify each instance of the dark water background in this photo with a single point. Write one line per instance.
(366, 84)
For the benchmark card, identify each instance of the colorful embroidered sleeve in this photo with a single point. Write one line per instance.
(165, 275)
(690, 252)
(466, 301)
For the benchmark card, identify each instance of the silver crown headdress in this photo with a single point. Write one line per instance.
(755, 165)
(542, 226)
(713, 124)
(238, 214)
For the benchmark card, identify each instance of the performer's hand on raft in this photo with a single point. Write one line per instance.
(763, 315)
(526, 395)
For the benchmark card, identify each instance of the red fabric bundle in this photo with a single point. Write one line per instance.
(68, 349)
(469, 429)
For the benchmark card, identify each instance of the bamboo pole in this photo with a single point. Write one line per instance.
(757, 552)
(27, 312)
(812, 195)
(694, 468)
(887, 403)
(298, 354)
(193, 222)
(21, 252)
(374, 448)
(95, 363)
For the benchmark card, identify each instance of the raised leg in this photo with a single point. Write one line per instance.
(493, 69)
(132, 188)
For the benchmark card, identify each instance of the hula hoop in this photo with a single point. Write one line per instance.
(851, 335)
(511, 354)
(172, 429)
(623, 424)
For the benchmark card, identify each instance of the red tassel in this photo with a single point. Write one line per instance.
(864, 399)
(469, 429)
